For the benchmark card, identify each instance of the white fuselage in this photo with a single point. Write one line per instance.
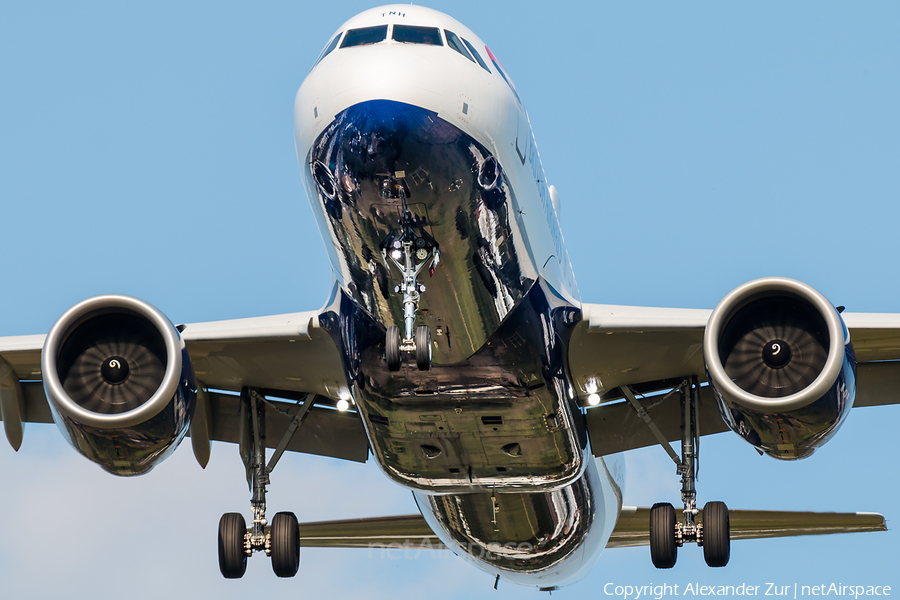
(440, 80)
(480, 101)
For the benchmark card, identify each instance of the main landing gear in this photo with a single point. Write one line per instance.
(281, 539)
(713, 532)
(409, 251)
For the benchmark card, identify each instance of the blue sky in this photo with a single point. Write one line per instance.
(148, 150)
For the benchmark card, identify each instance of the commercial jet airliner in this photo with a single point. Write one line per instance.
(454, 348)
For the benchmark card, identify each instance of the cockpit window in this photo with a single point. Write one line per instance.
(364, 36)
(476, 55)
(328, 49)
(454, 42)
(411, 34)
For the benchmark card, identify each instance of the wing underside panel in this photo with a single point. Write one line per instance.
(632, 528)
(616, 426)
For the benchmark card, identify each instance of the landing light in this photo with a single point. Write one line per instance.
(396, 254)
(593, 399)
(344, 398)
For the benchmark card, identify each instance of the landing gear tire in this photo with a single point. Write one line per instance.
(285, 544)
(716, 534)
(663, 550)
(423, 347)
(392, 348)
(232, 557)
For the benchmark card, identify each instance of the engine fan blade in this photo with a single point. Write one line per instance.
(114, 340)
(749, 369)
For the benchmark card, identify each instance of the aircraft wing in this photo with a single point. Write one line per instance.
(412, 533)
(651, 349)
(633, 526)
(407, 531)
(287, 356)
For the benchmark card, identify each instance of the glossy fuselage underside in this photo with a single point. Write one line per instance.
(538, 538)
(495, 410)
(507, 511)
(375, 152)
(489, 438)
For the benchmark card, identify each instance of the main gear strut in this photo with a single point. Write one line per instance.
(281, 539)
(666, 533)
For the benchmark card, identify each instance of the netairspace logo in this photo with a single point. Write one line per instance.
(795, 590)
(409, 550)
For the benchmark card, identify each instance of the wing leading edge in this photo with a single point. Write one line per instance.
(287, 356)
(630, 345)
(654, 348)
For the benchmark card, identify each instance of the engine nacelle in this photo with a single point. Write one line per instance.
(779, 359)
(120, 383)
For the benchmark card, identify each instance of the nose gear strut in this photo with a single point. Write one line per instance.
(409, 251)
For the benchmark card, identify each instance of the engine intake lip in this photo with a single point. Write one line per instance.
(61, 402)
(763, 288)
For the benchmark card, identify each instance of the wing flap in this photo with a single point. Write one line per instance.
(877, 384)
(325, 431)
(616, 427)
(633, 526)
(37, 409)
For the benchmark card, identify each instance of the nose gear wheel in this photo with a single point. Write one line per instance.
(392, 348)
(423, 348)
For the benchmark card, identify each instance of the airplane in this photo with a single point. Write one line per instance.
(501, 232)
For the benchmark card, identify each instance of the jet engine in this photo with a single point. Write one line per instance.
(119, 382)
(780, 362)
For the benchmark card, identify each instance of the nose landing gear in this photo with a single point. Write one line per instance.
(392, 348)
(409, 251)
(423, 347)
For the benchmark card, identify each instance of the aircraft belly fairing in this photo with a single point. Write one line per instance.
(539, 538)
(500, 420)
